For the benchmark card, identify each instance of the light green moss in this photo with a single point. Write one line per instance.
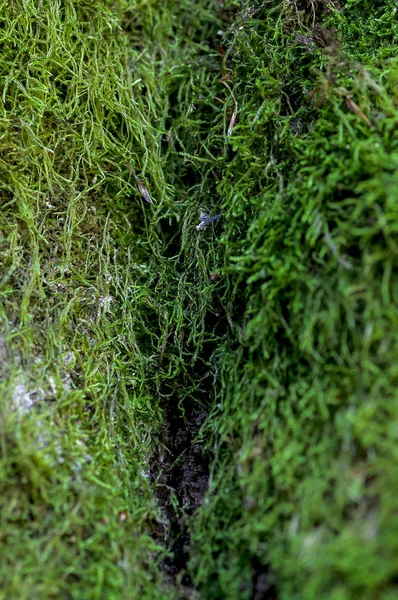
(280, 318)
(76, 420)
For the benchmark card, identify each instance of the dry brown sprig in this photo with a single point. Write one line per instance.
(232, 122)
(141, 187)
(353, 107)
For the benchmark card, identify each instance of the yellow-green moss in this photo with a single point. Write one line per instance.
(280, 317)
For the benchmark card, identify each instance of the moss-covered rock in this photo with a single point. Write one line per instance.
(278, 318)
(304, 430)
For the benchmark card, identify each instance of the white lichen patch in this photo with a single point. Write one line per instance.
(24, 398)
(26, 393)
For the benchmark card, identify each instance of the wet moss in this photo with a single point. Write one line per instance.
(278, 319)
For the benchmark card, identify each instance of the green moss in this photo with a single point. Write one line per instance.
(76, 420)
(279, 318)
(305, 427)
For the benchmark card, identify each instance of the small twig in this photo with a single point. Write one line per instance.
(141, 187)
(232, 122)
(353, 107)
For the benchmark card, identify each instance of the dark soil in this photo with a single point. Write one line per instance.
(180, 469)
(263, 588)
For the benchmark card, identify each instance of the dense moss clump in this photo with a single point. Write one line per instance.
(305, 427)
(278, 318)
(79, 100)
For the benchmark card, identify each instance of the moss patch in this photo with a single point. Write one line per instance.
(304, 430)
(277, 319)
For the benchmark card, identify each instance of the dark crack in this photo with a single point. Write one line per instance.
(180, 475)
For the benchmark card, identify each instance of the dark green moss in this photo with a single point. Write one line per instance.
(304, 482)
(279, 318)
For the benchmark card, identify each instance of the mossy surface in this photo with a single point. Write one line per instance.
(305, 427)
(77, 511)
(279, 319)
